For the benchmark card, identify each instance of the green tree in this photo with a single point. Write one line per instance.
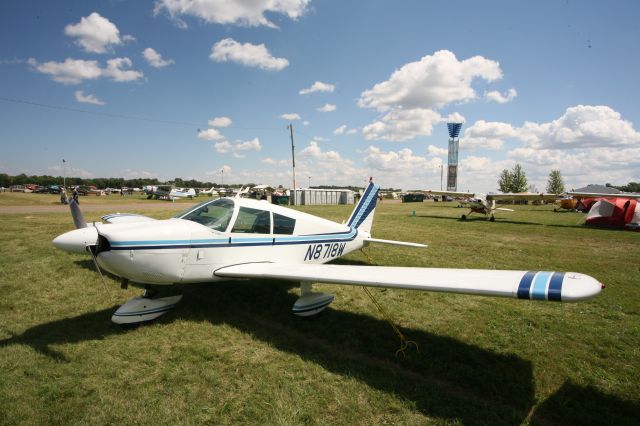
(504, 182)
(518, 179)
(555, 184)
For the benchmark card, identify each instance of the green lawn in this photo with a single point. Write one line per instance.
(233, 353)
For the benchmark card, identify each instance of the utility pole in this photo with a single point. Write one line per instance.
(222, 171)
(64, 174)
(293, 162)
(309, 182)
(440, 177)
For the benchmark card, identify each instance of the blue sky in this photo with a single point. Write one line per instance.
(179, 88)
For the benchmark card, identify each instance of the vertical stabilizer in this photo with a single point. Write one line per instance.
(362, 216)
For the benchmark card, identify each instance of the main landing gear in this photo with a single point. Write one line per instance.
(144, 308)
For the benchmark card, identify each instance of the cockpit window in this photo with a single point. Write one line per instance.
(214, 214)
(252, 221)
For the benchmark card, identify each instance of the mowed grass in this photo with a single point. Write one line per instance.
(31, 199)
(233, 353)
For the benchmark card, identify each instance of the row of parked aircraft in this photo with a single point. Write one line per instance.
(618, 210)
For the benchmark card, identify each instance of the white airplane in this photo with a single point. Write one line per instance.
(168, 192)
(210, 192)
(240, 238)
(486, 203)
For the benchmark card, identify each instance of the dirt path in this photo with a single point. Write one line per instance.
(95, 207)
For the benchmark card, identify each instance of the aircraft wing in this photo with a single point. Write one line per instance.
(125, 218)
(557, 286)
(451, 193)
(523, 196)
(598, 195)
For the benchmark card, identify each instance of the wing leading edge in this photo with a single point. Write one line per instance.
(534, 285)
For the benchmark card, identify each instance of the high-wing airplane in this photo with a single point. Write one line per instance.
(238, 238)
(168, 192)
(486, 203)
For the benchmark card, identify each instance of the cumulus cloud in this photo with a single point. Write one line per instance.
(490, 135)
(220, 122)
(318, 86)
(238, 147)
(432, 82)
(95, 34)
(401, 125)
(155, 59)
(498, 97)
(273, 162)
(75, 71)
(247, 54)
(87, 99)
(437, 151)
(291, 116)
(344, 130)
(210, 135)
(327, 108)
(233, 12)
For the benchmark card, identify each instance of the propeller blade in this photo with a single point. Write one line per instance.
(90, 249)
(76, 213)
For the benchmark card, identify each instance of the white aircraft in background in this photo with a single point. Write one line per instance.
(211, 192)
(486, 203)
(240, 238)
(168, 192)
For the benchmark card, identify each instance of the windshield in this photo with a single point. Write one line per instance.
(214, 214)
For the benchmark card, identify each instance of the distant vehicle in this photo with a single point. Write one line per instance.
(90, 190)
(566, 203)
(168, 192)
(486, 203)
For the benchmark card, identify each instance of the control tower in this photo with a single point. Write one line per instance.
(454, 142)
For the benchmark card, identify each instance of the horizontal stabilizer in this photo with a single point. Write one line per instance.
(556, 286)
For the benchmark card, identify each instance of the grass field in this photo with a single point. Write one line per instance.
(233, 353)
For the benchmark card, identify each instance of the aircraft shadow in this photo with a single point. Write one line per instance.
(447, 379)
(478, 219)
(573, 404)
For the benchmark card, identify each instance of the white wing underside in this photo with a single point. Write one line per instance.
(465, 281)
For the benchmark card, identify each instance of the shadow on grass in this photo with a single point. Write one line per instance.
(573, 404)
(447, 379)
(477, 218)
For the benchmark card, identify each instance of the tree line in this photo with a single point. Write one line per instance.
(103, 183)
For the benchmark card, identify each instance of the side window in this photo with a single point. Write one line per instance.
(252, 221)
(283, 224)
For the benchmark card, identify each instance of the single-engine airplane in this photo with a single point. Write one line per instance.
(240, 238)
(168, 192)
(486, 203)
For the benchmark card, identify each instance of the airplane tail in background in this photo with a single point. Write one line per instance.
(362, 216)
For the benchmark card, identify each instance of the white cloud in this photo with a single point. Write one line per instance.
(238, 147)
(222, 147)
(95, 34)
(220, 122)
(115, 71)
(273, 162)
(247, 54)
(344, 130)
(401, 125)
(498, 97)
(582, 126)
(327, 108)
(155, 59)
(318, 86)
(432, 82)
(87, 99)
(490, 135)
(437, 151)
(71, 171)
(252, 145)
(291, 116)
(305, 123)
(210, 135)
(75, 71)
(234, 12)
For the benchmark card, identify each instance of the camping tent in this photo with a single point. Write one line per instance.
(615, 212)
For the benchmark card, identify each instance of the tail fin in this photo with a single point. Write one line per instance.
(362, 216)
